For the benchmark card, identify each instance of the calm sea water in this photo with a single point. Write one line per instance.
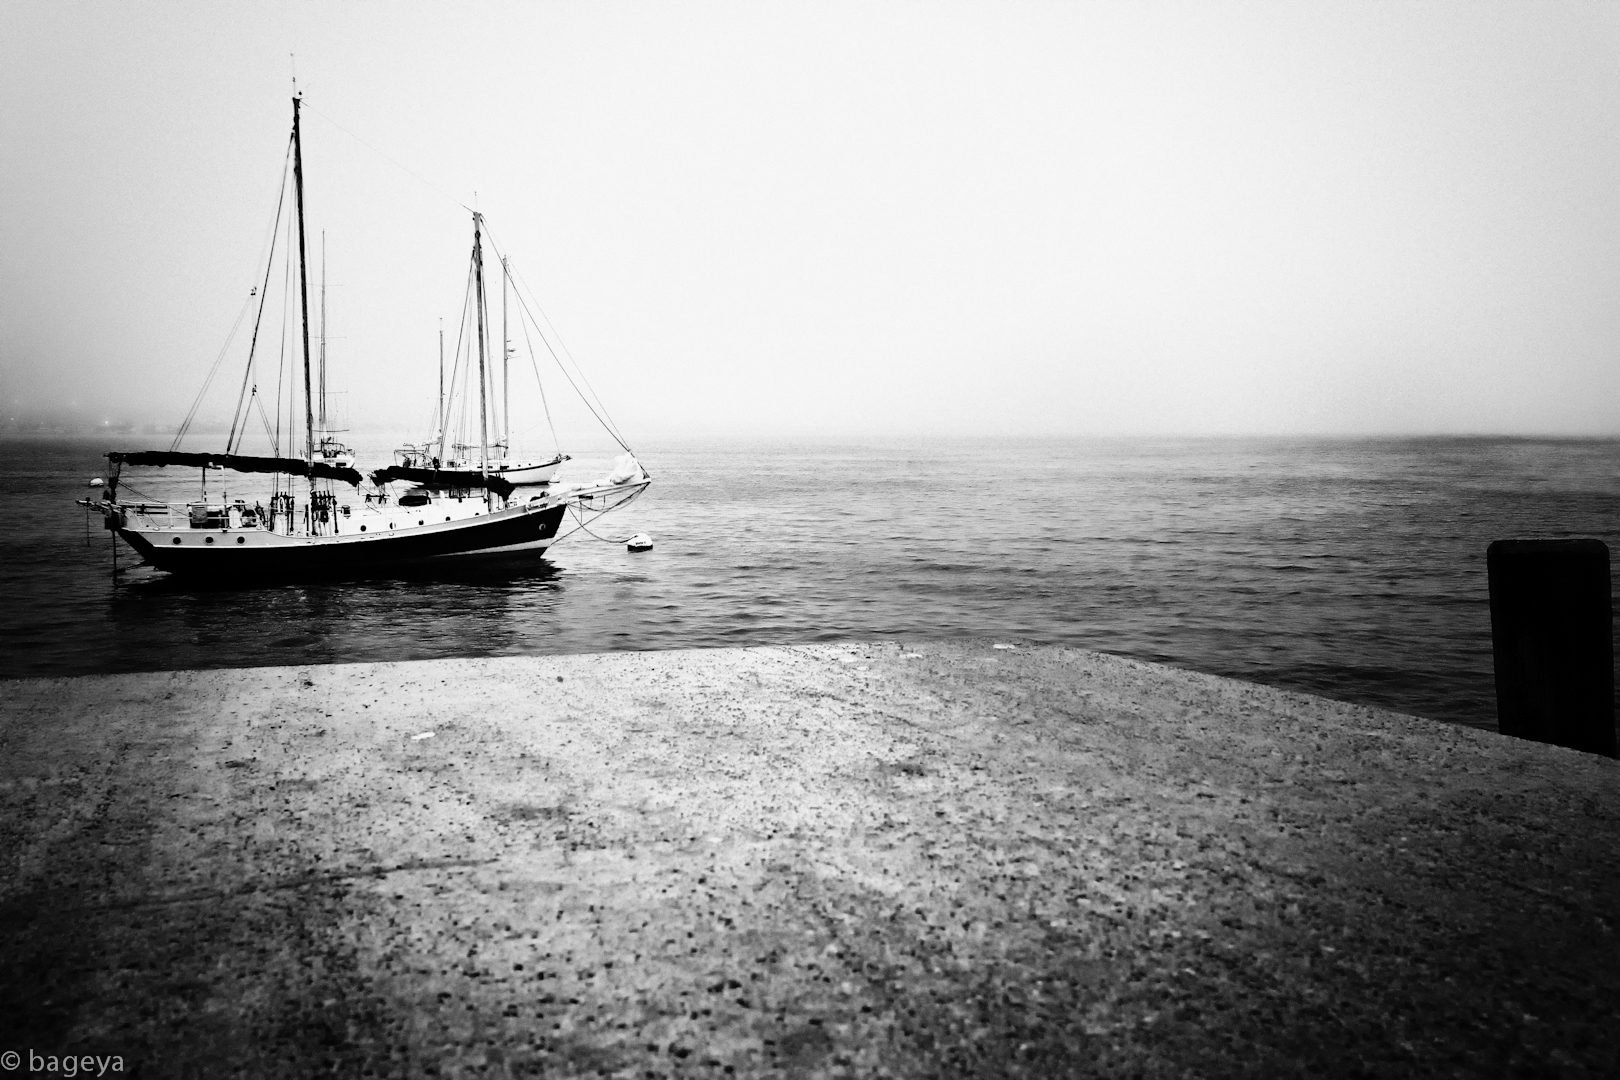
(1353, 569)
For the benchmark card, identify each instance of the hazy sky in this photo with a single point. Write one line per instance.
(989, 218)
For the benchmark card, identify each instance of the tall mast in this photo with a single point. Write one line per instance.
(303, 290)
(441, 390)
(506, 377)
(322, 379)
(483, 409)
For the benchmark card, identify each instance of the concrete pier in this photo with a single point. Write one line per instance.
(929, 860)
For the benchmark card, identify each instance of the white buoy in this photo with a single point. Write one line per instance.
(639, 542)
(95, 481)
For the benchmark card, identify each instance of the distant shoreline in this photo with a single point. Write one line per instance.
(196, 434)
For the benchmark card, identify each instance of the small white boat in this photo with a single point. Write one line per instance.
(334, 453)
(527, 472)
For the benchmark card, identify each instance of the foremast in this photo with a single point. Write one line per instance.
(320, 371)
(303, 286)
(506, 375)
(483, 407)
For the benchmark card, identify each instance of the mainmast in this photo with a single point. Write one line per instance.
(483, 409)
(303, 290)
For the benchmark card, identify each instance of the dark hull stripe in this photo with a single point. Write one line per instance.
(386, 550)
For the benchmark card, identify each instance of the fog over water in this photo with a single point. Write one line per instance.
(863, 219)
(1222, 334)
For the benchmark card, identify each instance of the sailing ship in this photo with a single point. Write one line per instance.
(467, 512)
(444, 460)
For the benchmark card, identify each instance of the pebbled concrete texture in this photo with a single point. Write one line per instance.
(835, 860)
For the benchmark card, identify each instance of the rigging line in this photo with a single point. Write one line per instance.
(579, 515)
(606, 423)
(544, 403)
(539, 383)
(281, 196)
(560, 537)
(264, 292)
(455, 368)
(281, 361)
(432, 424)
(258, 399)
(144, 496)
(425, 183)
(463, 421)
(524, 433)
(290, 328)
(237, 414)
(185, 425)
(449, 398)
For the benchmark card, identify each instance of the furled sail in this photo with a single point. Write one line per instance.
(440, 479)
(238, 463)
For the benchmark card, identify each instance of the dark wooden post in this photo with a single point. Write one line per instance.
(1552, 637)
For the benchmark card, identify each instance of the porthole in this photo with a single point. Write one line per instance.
(208, 539)
(390, 524)
(421, 523)
(362, 528)
(176, 540)
(447, 519)
(241, 539)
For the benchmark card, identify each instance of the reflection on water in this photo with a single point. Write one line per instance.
(162, 621)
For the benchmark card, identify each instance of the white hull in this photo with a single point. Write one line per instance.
(516, 472)
(430, 473)
(527, 473)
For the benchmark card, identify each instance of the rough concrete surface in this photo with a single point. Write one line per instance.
(852, 860)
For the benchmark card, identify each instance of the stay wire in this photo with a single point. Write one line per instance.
(601, 417)
(446, 405)
(185, 425)
(545, 340)
(281, 360)
(258, 399)
(456, 370)
(425, 183)
(144, 497)
(544, 403)
(598, 410)
(264, 291)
